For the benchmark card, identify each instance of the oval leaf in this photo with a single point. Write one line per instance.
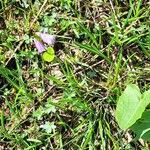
(49, 55)
(130, 106)
(50, 50)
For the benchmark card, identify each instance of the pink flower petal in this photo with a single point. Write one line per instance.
(47, 38)
(40, 47)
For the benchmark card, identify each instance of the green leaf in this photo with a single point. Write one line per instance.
(49, 127)
(50, 50)
(142, 127)
(130, 106)
(50, 108)
(49, 55)
(38, 113)
(146, 96)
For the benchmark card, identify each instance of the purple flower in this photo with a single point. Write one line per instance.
(44, 37)
(47, 38)
(39, 45)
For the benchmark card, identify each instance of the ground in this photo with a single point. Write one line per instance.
(69, 103)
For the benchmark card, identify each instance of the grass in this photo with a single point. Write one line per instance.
(70, 103)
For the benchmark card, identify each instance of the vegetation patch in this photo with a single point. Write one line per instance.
(74, 74)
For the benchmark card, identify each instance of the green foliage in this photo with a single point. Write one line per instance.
(101, 46)
(130, 107)
(44, 110)
(142, 127)
(48, 55)
(48, 127)
(39, 113)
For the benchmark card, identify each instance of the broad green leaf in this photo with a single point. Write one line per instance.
(130, 106)
(142, 127)
(146, 97)
(49, 54)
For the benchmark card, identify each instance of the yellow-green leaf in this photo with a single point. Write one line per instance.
(50, 50)
(49, 55)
